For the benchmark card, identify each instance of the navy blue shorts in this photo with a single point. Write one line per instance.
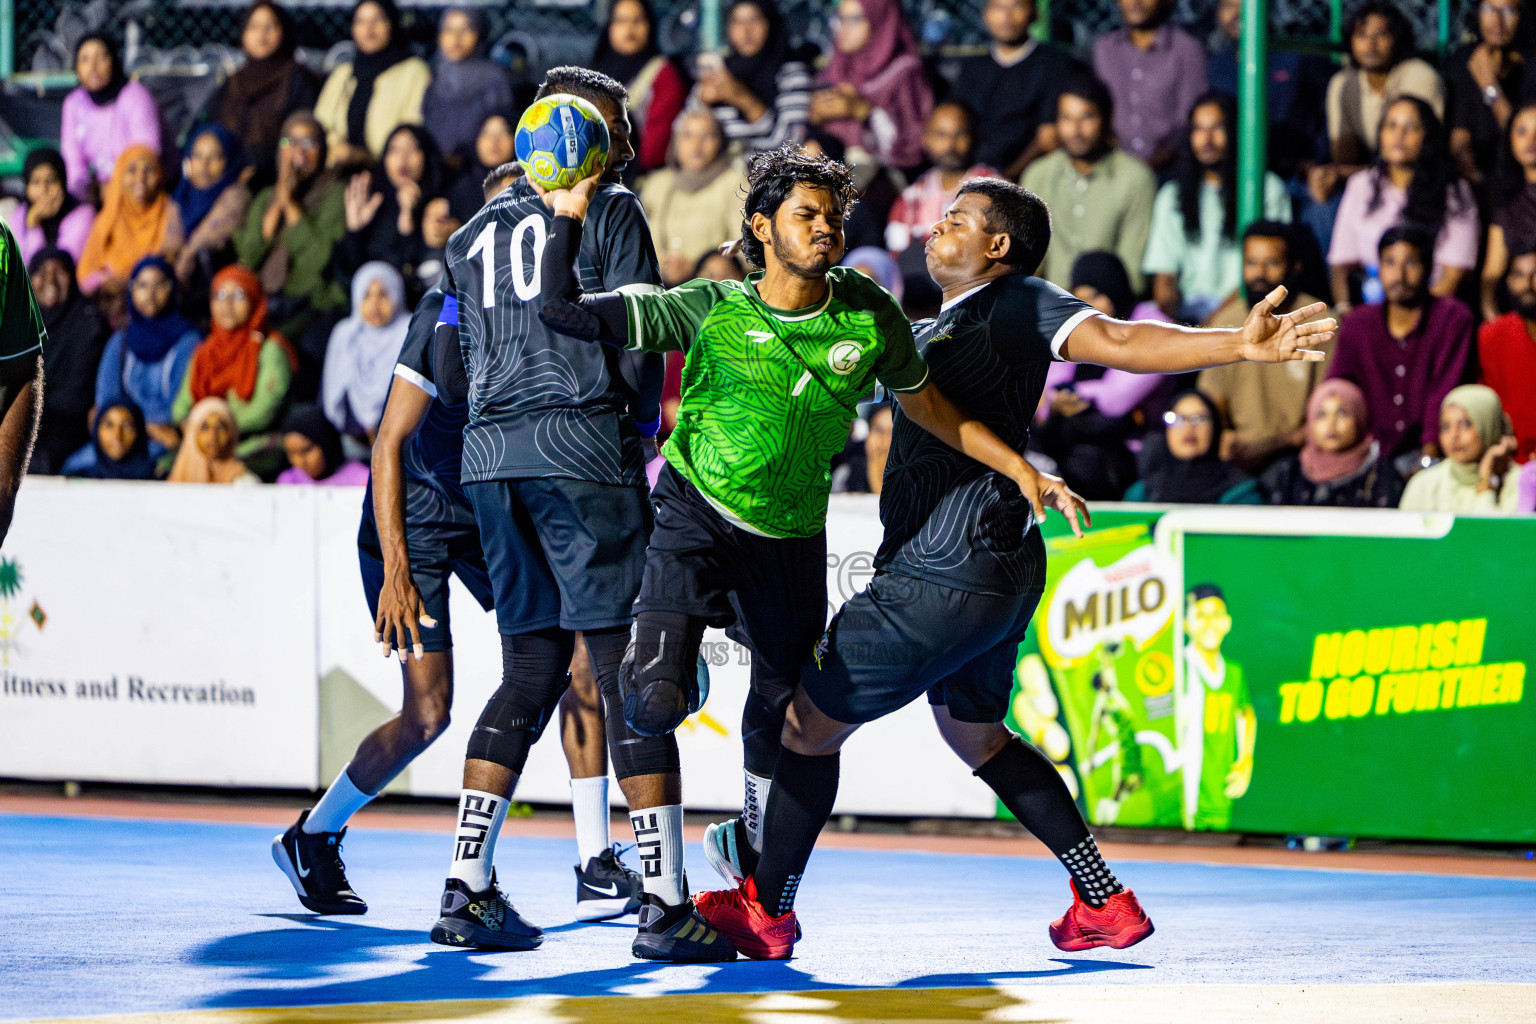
(562, 552)
(436, 552)
(900, 637)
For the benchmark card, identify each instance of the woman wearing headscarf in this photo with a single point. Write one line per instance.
(360, 360)
(694, 203)
(271, 84)
(208, 455)
(50, 218)
(627, 52)
(1180, 464)
(384, 206)
(879, 266)
(381, 87)
(293, 228)
(314, 450)
(239, 362)
(119, 448)
(76, 336)
(873, 94)
(1477, 473)
(137, 219)
(103, 116)
(760, 91)
(466, 85)
(1341, 463)
(145, 362)
(493, 146)
(211, 198)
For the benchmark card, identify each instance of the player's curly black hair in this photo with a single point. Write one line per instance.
(592, 86)
(773, 174)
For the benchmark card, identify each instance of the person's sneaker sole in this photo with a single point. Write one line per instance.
(646, 947)
(452, 932)
(604, 909)
(714, 853)
(1100, 940)
(285, 864)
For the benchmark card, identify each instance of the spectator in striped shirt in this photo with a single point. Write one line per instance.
(760, 90)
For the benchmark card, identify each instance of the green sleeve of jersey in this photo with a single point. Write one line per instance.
(21, 323)
(900, 367)
(666, 321)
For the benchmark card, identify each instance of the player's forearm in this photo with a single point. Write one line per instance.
(562, 306)
(18, 431)
(388, 483)
(1147, 346)
(935, 413)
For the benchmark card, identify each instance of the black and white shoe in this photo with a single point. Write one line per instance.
(484, 920)
(678, 934)
(312, 862)
(605, 888)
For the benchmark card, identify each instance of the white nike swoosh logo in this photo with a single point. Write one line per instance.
(298, 862)
(612, 889)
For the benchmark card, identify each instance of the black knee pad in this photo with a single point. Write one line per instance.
(630, 752)
(533, 679)
(659, 678)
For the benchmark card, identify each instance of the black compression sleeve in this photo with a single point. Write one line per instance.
(651, 375)
(562, 306)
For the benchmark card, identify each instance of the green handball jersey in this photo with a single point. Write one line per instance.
(768, 393)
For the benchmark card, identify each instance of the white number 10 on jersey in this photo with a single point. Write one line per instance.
(526, 285)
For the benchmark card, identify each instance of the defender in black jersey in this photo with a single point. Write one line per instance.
(962, 565)
(554, 467)
(426, 533)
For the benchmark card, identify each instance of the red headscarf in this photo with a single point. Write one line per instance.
(889, 37)
(1321, 467)
(227, 360)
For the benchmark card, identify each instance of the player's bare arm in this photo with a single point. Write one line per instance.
(1149, 347)
(400, 608)
(23, 383)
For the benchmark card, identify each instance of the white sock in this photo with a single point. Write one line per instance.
(589, 806)
(752, 809)
(659, 840)
(474, 838)
(337, 806)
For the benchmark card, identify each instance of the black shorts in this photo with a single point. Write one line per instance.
(562, 552)
(436, 552)
(770, 592)
(900, 636)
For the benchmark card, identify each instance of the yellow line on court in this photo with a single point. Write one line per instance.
(1040, 1004)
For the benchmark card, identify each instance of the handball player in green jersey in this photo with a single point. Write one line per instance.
(776, 367)
(21, 373)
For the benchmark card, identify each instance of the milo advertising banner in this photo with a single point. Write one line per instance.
(1361, 674)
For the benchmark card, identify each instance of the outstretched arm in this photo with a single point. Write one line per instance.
(1148, 347)
(562, 306)
(935, 413)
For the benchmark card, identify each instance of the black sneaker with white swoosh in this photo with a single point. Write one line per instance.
(605, 888)
(312, 862)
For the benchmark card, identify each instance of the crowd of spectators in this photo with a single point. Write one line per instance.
(226, 302)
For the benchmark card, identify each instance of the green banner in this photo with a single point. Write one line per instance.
(1339, 685)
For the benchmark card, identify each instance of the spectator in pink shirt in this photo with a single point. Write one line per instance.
(50, 218)
(314, 451)
(1412, 183)
(102, 117)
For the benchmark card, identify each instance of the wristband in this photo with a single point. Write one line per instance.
(649, 428)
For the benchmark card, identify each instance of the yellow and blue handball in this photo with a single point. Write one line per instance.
(560, 140)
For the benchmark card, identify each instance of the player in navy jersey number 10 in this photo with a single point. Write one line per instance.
(962, 566)
(554, 467)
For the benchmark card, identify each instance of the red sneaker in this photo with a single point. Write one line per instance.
(737, 915)
(1117, 924)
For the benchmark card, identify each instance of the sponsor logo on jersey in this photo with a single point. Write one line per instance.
(844, 357)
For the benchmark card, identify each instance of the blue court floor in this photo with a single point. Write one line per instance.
(117, 916)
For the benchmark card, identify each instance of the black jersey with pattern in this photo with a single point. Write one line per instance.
(540, 403)
(948, 518)
(431, 459)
